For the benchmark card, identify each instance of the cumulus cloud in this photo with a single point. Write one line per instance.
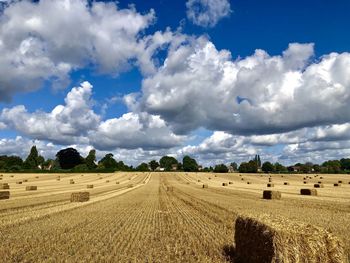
(46, 40)
(207, 13)
(199, 86)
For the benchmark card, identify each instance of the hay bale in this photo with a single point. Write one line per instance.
(90, 186)
(268, 194)
(270, 180)
(31, 188)
(319, 182)
(321, 177)
(209, 178)
(249, 182)
(170, 188)
(337, 184)
(187, 182)
(80, 197)
(71, 182)
(242, 179)
(19, 182)
(230, 182)
(25, 180)
(267, 239)
(107, 181)
(198, 181)
(130, 185)
(319, 185)
(205, 185)
(312, 192)
(224, 184)
(12, 176)
(37, 177)
(117, 182)
(58, 179)
(305, 182)
(4, 186)
(340, 182)
(4, 195)
(286, 183)
(270, 185)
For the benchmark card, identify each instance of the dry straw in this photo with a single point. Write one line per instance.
(264, 239)
(268, 194)
(4, 195)
(308, 192)
(31, 188)
(80, 197)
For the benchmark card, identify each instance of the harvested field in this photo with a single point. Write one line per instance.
(149, 223)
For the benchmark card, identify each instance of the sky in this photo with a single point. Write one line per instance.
(217, 80)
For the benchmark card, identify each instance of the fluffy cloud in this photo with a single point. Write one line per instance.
(199, 86)
(46, 40)
(207, 13)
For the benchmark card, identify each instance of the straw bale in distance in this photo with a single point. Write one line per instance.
(270, 240)
(72, 182)
(230, 182)
(337, 184)
(4, 186)
(117, 183)
(224, 184)
(249, 183)
(90, 186)
(4, 195)
(80, 197)
(321, 177)
(19, 182)
(130, 185)
(268, 194)
(25, 180)
(270, 185)
(170, 189)
(286, 183)
(320, 185)
(198, 181)
(340, 182)
(270, 180)
(107, 181)
(205, 185)
(31, 188)
(308, 192)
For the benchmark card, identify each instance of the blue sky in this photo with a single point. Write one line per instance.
(218, 80)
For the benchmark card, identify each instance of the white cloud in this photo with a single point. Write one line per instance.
(48, 39)
(207, 13)
(199, 86)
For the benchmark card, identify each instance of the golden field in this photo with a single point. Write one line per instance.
(155, 217)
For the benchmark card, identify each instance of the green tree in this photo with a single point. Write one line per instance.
(153, 165)
(345, 164)
(332, 166)
(189, 164)
(257, 160)
(90, 160)
(248, 167)
(143, 167)
(108, 162)
(166, 162)
(33, 160)
(267, 167)
(69, 158)
(234, 166)
(220, 168)
(280, 168)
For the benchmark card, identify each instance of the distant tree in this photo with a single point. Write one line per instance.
(249, 167)
(108, 162)
(81, 168)
(257, 160)
(234, 166)
(166, 162)
(268, 167)
(90, 160)
(143, 167)
(317, 168)
(189, 164)
(33, 160)
(332, 166)
(7, 162)
(345, 164)
(69, 158)
(280, 168)
(179, 166)
(220, 168)
(153, 165)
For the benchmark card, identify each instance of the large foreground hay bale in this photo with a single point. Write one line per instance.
(308, 192)
(80, 197)
(319, 185)
(90, 186)
(4, 186)
(4, 195)
(268, 194)
(31, 188)
(276, 240)
(205, 185)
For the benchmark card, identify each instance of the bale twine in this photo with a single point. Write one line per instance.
(4, 186)
(337, 184)
(266, 239)
(80, 197)
(286, 183)
(308, 192)
(4, 195)
(205, 185)
(170, 188)
(31, 188)
(224, 184)
(319, 185)
(269, 194)
(90, 186)
(270, 185)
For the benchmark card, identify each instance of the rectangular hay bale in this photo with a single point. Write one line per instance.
(170, 188)
(4, 195)
(90, 186)
(286, 183)
(224, 184)
(319, 185)
(269, 194)
(265, 239)
(312, 192)
(80, 197)
(337, 184)
(205, 185)
(31, 188)
(4, 186)
(270, 185)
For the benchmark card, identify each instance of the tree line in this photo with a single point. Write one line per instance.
(70, 160)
